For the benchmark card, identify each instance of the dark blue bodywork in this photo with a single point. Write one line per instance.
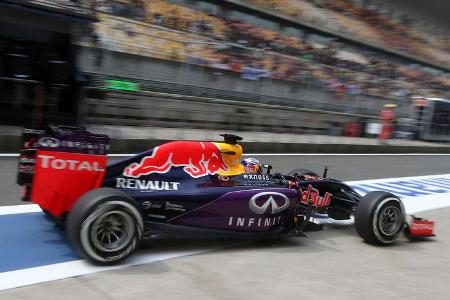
(176, 204)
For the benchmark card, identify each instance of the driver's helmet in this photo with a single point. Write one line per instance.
(252, 166)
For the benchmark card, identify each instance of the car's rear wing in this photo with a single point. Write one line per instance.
(57, 164)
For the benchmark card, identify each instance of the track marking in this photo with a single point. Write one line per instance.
(19, 209)
(418, 193)
(24, 277)
(397, 178)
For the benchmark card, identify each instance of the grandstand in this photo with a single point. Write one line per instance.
(367, 25)
(170, 30)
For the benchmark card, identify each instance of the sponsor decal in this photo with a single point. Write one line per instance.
(177, 207)
(311, 177)
(32, 143)
(311, 195)
(50, 142)
(261, 202)
(49, 161)
(167, 206)
(144, 185)
(32, 131)
(256, 183)
(256, 176)
(23, 191)
(85, 146)
(254, 222)
(223, 178)
(293, 184)
(197, 158)
(421, 227)
(428, 225)
(149, 205)
(156, 216)
(27, 160)
(26, 169)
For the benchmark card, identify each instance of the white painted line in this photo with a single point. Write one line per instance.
(423, 203)
(24, 277)
(19, 209)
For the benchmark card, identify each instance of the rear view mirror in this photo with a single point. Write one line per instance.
(268, 168)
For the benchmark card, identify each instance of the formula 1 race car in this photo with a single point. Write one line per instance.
(185, 189)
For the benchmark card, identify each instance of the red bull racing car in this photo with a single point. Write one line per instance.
(185, 189)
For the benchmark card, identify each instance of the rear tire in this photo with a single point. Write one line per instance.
(105, 226)
(379, 218)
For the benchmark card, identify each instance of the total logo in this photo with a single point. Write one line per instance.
(311, 195)
(48, 161)
(261, 202)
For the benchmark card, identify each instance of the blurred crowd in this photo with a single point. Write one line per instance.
(371, 24)
(165, 30)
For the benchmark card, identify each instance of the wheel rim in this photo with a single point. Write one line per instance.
(112, 231)
(390, 220)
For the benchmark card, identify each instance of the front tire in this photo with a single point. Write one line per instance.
(379, 218)
(105, 226)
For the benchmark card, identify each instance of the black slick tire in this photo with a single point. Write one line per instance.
(379, 218)
(104, 226)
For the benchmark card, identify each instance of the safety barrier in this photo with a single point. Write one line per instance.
(172, 110)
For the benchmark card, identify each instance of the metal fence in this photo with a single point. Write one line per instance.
(168, 110)
(98, 80)
(80, 6)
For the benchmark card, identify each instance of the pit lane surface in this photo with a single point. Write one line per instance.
(333, 263)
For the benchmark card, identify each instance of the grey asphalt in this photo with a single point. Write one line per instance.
(333, 263)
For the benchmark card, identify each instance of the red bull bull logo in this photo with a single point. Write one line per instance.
(197, 158)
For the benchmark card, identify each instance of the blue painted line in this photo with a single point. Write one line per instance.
(31, 240)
